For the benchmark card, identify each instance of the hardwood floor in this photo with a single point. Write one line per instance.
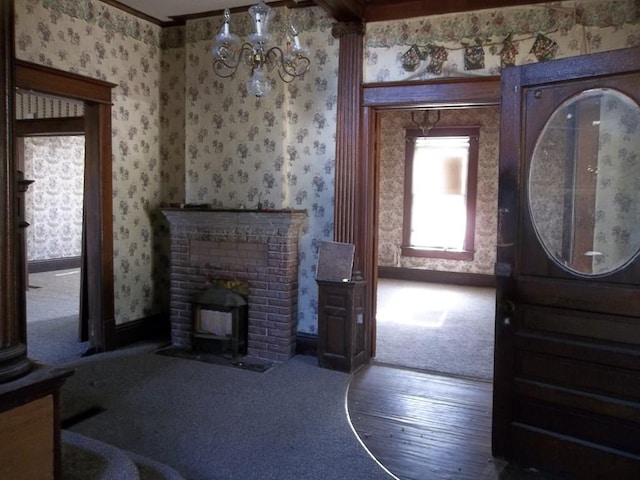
(425, 426)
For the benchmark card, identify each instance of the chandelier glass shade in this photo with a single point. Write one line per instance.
(229, 53)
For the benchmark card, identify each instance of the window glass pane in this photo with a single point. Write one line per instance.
(439, 215)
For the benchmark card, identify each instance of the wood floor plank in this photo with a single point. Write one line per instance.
(426, 426)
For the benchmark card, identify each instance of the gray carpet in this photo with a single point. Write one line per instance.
(213, 422)
(53, 294)
(440, 328)
(55, 341)
(52, 317)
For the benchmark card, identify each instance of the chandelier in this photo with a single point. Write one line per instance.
(228, 53)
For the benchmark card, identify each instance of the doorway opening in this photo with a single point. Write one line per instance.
(97, 292)
(51, 155)
(435, 310)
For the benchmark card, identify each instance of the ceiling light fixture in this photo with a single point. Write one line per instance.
(290, 63)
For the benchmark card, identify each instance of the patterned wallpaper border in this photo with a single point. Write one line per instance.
(105, 16)
(482, 42)
(485, 24)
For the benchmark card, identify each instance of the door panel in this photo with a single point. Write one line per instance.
(567, 359)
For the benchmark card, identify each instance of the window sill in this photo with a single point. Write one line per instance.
(437, 253)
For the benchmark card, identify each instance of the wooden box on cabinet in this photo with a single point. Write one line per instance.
(343, 332)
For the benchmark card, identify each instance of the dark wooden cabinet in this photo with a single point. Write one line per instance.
(343, 332)
(30, 425)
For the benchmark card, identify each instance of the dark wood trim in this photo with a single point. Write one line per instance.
(581, 66)
(30, 76)
(98, 211)
(383, 10)
(142, 329)
(459, 92)
(53, 264)
(369, 209)
(508, 172)
(433, 276)
(182, 19)
(348, 140)
(133, 11)
(351, 173)
(306, 344)
(409, 250)
(50, 127)
(344, 10)
(450, 92)
(13, 351)
(98, 201)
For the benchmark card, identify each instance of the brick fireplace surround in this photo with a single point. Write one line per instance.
(259, 247)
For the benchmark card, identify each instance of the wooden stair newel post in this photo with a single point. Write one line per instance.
(13, 351)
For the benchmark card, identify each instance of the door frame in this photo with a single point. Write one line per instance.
(98, 201)
(376, 98)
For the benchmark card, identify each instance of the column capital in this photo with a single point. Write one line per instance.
(341, 29)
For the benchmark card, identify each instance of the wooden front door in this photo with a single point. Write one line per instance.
(567, 354)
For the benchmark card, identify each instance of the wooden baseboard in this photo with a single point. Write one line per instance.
(306, 344)
(39, 266)
(142, 329)
(452, 278)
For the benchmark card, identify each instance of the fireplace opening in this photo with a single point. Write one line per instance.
(220, 318)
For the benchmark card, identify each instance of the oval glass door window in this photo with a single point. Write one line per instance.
(584, 183)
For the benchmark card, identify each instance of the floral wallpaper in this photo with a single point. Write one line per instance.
(53, 203)
(482, 42)
(392, 157)
(278, 150)
(181, 134)
(97, 40)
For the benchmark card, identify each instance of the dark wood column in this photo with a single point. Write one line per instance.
(352, 223)
(13, 352)
(348, 136)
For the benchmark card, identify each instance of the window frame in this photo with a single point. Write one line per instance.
(467, 253)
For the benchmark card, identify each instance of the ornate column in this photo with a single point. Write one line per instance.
(13, 351)
(348, 136)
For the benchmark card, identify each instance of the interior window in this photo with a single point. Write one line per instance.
(440, 192)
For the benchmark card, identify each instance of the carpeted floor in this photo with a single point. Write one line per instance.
(52, 317)
(425, 326)
(55, 341)
(213, 422)
(440, 328)
(53, 295)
